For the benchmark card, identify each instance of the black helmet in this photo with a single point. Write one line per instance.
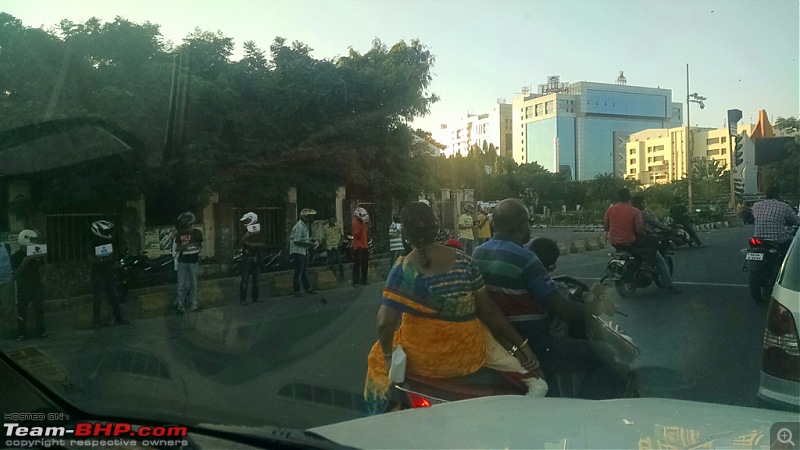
(185, 220)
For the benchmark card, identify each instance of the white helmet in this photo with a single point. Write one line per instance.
(249, 219)
(27, 237)
(362, 214)
(102, 228)
(425, 201)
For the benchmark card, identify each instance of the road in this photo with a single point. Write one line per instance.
(302, 362)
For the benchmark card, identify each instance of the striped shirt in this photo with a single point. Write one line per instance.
(395, 237)
(515, 278)
(300, 233)
(771, 217)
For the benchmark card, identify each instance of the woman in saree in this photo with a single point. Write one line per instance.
(448, 324)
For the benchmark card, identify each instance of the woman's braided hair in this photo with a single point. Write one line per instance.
(420, 228)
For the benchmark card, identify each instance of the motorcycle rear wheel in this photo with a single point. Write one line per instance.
(625, 288)
(760, 289)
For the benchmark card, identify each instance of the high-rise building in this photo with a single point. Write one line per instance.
(658, 156)
(493, 128)
(580, 129)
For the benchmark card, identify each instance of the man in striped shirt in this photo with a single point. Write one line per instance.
(771, 217)
(520, 285)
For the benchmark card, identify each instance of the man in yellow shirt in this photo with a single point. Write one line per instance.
(483, 226)
(333, 241)
(465, 228)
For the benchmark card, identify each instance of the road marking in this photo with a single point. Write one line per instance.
(685, 282)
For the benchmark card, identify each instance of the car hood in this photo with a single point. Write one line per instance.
(521, 422)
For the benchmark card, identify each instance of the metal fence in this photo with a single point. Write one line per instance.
(69, 235)
(273, 225)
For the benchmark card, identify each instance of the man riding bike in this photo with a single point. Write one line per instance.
(771, 218)
(653, 226)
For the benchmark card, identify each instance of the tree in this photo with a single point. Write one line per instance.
(785, 173)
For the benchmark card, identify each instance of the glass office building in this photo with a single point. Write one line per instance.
(580, 129)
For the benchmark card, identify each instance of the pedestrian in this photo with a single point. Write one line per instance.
(360, 246)
(483, 226)
(252, 246)
(102, 256)
(466, 228)
(27, 267)
(299, 244)
(7, 299)
(396, 238)
(680, 215)
(333, 243)
(188, 244)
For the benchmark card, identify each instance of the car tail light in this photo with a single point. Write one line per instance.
(418, 401)
(781, 344)
(755, 241)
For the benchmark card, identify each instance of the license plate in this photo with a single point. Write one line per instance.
(754, 257)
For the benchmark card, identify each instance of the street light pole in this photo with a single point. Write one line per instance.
(688, 138)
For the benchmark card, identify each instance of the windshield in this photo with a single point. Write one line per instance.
(202, 205)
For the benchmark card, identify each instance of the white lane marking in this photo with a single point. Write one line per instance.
(685, 282)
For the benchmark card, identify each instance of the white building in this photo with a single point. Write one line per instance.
(493, 127)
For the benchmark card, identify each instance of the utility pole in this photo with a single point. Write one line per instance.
(688, 139)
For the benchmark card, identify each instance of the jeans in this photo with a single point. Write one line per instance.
(187, 285)
(104, 283)
(335, 258)
(663, 270)
(360, 265)
(35, 295)
(692, 233)
(300, 272)
(467, 244)
(249, 270)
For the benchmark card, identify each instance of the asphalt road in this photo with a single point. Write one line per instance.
(301, 362)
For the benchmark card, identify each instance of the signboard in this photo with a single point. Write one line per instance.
(734, 116)
(158, 240)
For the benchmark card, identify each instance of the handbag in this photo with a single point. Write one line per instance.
(397, 371)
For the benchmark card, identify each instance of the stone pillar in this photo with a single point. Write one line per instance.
(291, 212)
(210, 227)
(18, 191)
(134, 224)
(341, 193)
(469, 195)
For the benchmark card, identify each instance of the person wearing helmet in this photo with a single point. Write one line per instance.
(483, 226)
(6, 281)
(299, 243)
(360, 246)
(102, 256)
(333, 242)
(187, 246)
(251, 244)
(27, 272)
(465, 228)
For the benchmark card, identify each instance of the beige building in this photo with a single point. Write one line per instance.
(493, 127)
(658, 156)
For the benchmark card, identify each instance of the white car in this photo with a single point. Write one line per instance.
(780, 364)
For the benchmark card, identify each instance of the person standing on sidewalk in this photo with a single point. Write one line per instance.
(252, 246)
(466, 227)
(27, 272)
(6, 283)
(299, 243)
(102, 256)
(396, 238)
(333, 240)
(483, 226)
(360, 247)
(188, 243)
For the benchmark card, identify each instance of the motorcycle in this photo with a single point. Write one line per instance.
(627, 272)
(319, 256)
(419, 392)
(680, 236)
(271, 261)
(139, 270)
(763, 260)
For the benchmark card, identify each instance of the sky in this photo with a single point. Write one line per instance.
(742, 54)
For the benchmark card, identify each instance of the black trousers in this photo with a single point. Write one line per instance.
(360, 265)
(249, 271)
(300, 272)
(104, 283)
(32, 295)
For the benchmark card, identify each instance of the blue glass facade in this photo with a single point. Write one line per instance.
(551, 143)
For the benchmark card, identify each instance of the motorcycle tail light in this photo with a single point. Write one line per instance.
(781, 344)
(755, 241)
(418, 401)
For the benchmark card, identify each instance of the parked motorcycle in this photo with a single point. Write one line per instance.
(271, 261)
(319, 256)
(763, 260)
(139, 270)
(418, 392)
(627, 272)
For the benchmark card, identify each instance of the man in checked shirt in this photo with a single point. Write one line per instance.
(772, 216)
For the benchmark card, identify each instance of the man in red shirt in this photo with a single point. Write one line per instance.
(360, 247)
(625, 226)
